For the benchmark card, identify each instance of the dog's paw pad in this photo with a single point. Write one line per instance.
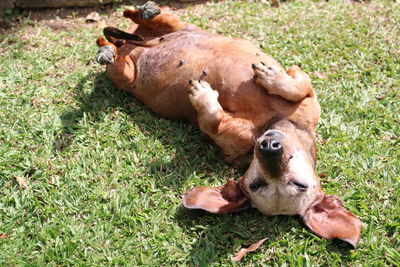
(105, 55)
(149, 10)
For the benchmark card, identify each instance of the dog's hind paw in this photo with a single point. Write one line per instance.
(105, 55)
(149, 10)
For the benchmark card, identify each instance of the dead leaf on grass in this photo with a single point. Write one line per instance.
(135, 157)
(275, 3)
(37, 102)
(244, 251)
(92, 17)
(3, 236)
(21, 182)
(319, 75)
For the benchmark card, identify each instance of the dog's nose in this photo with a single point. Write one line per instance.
(271, 150)
(271, 146)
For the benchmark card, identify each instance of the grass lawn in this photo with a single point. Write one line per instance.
(89, 176)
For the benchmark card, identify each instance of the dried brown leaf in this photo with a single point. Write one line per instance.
(21, 182)
(319, 75)
(92, 17)
(135, 158)
(3, 236)
(244, 251)
(275, 3)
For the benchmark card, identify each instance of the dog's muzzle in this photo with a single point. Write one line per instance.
(271, 150)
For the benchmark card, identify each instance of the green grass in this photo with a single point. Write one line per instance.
(105, 175)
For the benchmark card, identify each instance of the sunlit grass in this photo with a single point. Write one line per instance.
(105, 175)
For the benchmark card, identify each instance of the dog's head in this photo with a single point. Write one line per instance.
(281, 179)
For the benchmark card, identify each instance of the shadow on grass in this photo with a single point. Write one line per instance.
(183, 137)
(220, 236)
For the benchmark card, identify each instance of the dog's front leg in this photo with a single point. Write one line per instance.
(233, 135)
(293, 85)
(150, 17)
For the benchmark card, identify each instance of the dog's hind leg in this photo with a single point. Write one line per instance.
(293, 85)
(120, 67)
(149, 17)
(107, 53)
(233, 135)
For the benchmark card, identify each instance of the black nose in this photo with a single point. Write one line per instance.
(271, 150)
(271, 146)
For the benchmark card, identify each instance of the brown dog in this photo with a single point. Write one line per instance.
(243, 100)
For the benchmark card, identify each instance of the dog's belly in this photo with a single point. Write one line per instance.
(225, 63)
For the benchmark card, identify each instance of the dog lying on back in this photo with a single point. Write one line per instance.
(260, 115)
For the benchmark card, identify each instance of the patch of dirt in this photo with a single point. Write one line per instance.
(60, 19)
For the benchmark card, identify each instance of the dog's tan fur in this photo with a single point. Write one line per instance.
(238, 97)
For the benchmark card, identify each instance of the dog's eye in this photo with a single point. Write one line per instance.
(300, 186)
(257, 184)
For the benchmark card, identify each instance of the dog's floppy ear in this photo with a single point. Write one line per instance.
(329, 219)
(223, 199)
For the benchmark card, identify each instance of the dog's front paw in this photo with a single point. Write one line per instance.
(105, 55)
(267, 76)
(201, 95)
(149, 10)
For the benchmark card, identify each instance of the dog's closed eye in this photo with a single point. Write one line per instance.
(257, 184)
(300, 186)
